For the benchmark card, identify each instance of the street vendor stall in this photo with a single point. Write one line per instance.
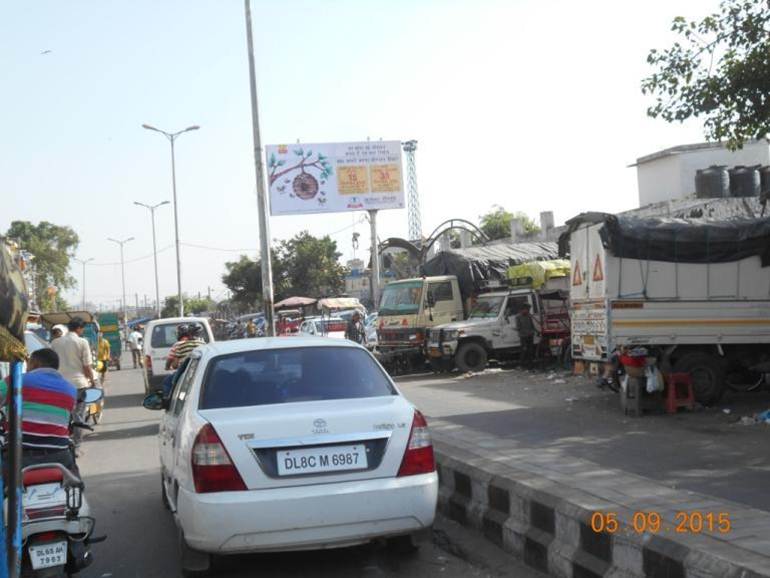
(14, 304)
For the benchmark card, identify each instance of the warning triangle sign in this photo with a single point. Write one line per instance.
(598, 271)
(577, 276)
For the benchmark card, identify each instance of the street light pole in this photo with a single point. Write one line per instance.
(172, 136)
(154, 248)
(122, 275)
(83, 262)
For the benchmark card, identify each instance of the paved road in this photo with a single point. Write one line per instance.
(705, 451)
(120, 467)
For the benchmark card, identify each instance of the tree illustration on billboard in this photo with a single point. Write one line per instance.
(305, 184)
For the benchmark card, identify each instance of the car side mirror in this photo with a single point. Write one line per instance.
(90, 395)
(155, 401)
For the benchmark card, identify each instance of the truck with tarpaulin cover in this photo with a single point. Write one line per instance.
(694, 292)
(109, 324)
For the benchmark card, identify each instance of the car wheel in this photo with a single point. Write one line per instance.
(471, 357)
(708, 376)
(194, 562)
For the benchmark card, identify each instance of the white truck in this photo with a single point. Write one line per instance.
(489, 331)
(694, 292)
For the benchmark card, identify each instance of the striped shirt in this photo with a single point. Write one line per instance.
(47, 403)
(183, 348)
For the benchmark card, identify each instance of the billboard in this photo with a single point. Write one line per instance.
(334, 177)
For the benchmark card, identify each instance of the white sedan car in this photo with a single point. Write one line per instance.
(291, 444)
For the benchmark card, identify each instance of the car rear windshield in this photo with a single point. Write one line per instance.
(165, 335)
(290, 375)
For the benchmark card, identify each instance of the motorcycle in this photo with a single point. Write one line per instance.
(57, 525)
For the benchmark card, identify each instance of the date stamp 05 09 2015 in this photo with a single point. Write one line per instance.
(694, 522)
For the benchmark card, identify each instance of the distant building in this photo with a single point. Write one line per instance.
(357, 281)
(669, 174)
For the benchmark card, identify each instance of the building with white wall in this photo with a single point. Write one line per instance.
(670, 174)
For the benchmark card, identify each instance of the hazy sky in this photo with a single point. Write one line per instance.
(533, 105)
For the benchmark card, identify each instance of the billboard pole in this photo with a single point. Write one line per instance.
(375, 260)
(264, 231)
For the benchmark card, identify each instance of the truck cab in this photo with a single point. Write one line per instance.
(489, 331)
(408, 308)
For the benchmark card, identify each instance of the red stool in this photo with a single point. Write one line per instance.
(679, 392)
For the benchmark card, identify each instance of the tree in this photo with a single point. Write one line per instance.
(719, 69)
(52, 247)
(192, 305)
(302, 266)
(497, 223)
(310, 265)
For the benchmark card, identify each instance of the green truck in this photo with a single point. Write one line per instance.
(110, 327)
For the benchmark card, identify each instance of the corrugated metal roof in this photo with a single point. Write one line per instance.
(679, 149)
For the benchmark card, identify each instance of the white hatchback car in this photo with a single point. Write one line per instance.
(291, 444)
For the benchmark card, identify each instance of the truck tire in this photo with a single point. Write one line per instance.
(708, 375)
(471, 357)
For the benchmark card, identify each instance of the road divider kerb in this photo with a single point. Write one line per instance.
(543, 520)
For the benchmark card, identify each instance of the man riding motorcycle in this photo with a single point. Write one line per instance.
(48, 401)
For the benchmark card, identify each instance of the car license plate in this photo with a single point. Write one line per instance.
(319, 460)
(48, 555)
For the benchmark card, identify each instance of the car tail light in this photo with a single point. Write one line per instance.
(212, 468)
(418, 457)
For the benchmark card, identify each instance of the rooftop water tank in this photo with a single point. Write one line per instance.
(713, 182)
(744, 181)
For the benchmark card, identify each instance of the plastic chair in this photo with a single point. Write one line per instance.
(679, 392)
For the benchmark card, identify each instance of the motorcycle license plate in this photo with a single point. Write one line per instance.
(48, 555)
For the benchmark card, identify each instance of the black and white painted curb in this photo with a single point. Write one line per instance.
(547, 523)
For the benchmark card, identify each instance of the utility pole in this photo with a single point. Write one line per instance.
(264, 230)
(123, 275)
(83, 262)
(375, 260)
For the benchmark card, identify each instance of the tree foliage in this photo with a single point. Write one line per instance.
(52, 247)
(192, 305)
(304, 266)
(496, 223)
(718, 70)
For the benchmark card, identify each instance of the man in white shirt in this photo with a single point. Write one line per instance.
(135, 345)
(75, 364)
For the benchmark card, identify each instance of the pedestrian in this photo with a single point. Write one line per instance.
(102, 358)
(57, 331)
(525, 326)
(251, 329)
(135, 345)
(47, 402)
(75, 365)
(355, 329)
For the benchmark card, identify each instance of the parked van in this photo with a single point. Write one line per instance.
(159, 337)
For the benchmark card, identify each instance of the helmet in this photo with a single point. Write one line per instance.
(194, 330)
(182, 330)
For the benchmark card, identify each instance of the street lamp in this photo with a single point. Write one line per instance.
(122, 275)
(154, 248)
(83, 262)
(172, 136)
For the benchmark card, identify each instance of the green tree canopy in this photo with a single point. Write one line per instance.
(304, 265)
(192, 305)
(496, 223)
(52, 247)
(719, 70)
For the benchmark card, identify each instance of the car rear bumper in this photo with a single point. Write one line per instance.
(307, 517)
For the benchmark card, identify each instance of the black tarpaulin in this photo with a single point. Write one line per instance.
(678, 240)
(474, 265)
